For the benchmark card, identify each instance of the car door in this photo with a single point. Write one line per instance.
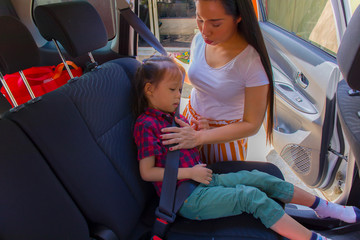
(301, 37)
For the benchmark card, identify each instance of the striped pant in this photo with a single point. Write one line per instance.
(219, 152)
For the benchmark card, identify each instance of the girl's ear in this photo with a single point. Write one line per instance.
(148, 89)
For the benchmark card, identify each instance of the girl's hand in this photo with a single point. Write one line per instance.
(200, 124)
(184, 136)
(200, 173)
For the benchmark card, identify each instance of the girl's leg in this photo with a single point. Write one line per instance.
(286, 192)
(289, 228)
(274, 187)
(324, 208)
(302, 197)
(216, 202)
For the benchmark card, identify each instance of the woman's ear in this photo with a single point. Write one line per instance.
(148, 89)
(238, 20)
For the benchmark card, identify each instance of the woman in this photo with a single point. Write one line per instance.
(232, 78)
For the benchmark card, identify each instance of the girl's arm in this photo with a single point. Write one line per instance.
(254, 113)
(150, 173)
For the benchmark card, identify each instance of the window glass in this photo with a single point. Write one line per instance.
(176, 22)
(311, 20)
(176, 27)
(105, 8)
(353, 5)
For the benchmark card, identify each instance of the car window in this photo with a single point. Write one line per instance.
(311, 20)
(175, 20)
(353, 5)
(106, 9)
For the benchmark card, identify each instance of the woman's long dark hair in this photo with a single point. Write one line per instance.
(250, 29)
(152, 70)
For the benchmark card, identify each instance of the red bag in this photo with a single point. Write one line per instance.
(41, 80)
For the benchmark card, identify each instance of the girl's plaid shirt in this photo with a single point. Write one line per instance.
(147, 138)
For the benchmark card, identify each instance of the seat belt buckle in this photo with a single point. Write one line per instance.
(164, 217)
(162, 223)
(155, 237)
(159, 229)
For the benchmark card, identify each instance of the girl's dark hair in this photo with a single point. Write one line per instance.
(250, 29)
(152, 70)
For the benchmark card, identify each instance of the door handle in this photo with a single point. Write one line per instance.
(301, 80)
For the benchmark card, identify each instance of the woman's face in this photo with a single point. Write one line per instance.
(214, 24)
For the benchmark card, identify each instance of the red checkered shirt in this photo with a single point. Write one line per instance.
(147, 138)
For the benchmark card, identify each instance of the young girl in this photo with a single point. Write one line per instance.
(158, 86)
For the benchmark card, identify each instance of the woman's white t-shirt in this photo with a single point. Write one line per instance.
(219, 93)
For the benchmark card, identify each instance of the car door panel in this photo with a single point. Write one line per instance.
(305, 81)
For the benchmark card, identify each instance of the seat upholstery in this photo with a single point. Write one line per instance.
(7, 9)
(348, 56)
(14, 33)
(4, 104)
(33, 203)
(53, 22)
(84, 131)
(349, 64)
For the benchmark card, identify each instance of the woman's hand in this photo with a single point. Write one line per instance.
(200, 173)
(200, 124)
(184, 136)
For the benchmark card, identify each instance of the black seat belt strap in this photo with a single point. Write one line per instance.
(165, 211)
(171, 198)
(140, 27)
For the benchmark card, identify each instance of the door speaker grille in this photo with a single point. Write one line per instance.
(297, 157)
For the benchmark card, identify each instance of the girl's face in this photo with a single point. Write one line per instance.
(214, 24)
(165, 96)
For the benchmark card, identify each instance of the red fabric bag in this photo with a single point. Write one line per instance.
(41, 80)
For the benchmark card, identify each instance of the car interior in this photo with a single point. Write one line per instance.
(68, 160)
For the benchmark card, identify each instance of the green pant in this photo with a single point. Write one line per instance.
(234, 193)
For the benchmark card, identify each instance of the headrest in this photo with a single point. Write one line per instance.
(76, 25)
(348, 56)
(18, 49)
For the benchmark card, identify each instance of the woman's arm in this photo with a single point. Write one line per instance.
(254, 112)
(150, 173)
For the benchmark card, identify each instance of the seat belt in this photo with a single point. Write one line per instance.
(165, 213)
(171, 198)
(140, 27)
(102, 232)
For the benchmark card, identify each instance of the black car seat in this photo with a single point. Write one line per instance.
(7, 9)
(348, 101)
(27, 51)
(84, 131)
(4, 104)
(33, 203)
